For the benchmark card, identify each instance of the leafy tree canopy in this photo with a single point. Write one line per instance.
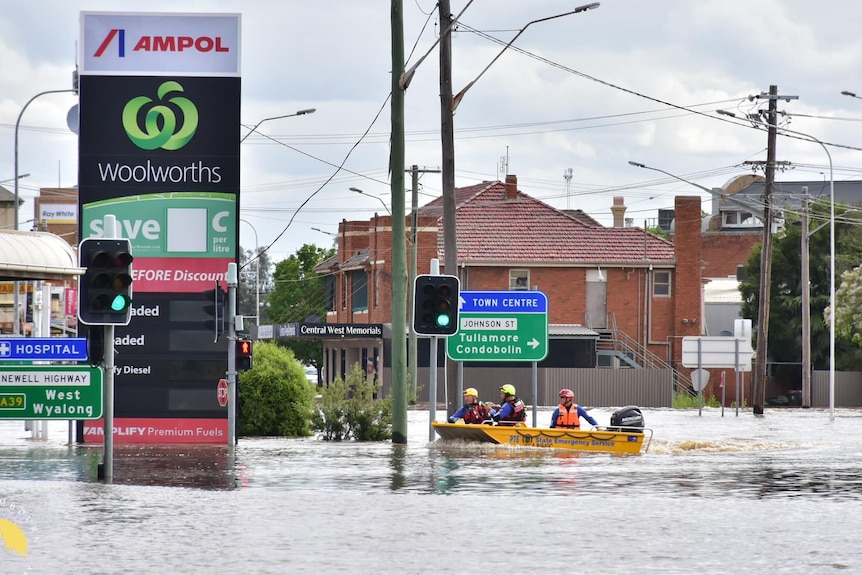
(299, 295)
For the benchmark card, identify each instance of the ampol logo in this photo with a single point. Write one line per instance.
(160, 43)
(160, 122)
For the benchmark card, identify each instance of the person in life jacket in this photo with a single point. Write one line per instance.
(568, 414)
(473, 410)
(512, 409)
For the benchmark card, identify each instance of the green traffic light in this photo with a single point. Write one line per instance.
(442, 320)
(119, 303)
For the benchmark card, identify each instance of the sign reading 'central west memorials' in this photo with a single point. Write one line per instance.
(500, 326)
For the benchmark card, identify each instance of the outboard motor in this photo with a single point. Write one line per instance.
(628, 418)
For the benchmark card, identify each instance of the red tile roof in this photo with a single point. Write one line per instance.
(491, 228)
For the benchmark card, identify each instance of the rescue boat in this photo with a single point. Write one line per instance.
(625, 435)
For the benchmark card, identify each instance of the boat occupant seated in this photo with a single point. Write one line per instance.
(512, 410)
(568, 414)
(473, 411)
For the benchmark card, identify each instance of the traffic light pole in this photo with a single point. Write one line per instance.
(231, 353)
(107, 475)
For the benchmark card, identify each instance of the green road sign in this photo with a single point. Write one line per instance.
(500, 326)
(50, 392)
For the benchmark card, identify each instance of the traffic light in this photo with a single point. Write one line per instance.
(244, 349)
(215, 308)
(435, 305)
(105, 289)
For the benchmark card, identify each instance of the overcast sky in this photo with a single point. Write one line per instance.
(631, 80)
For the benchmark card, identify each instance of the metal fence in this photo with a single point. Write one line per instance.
(611, 387)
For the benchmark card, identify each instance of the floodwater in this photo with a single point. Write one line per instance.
(780, 493)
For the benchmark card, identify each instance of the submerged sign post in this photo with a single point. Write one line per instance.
(500, 326)
(50, 392)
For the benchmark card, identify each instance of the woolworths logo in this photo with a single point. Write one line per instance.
(160, 128)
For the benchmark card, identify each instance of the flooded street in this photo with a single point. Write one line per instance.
(777, 494)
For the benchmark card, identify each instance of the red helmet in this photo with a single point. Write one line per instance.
(567, 393)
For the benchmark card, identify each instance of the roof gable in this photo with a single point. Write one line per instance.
(492, 228)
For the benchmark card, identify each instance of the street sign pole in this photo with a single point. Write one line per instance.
(231, 354)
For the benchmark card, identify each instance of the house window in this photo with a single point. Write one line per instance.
(661, 284)
(740, 219)
(343, 278)
(359, 281)
(519, 279)
(330, 292)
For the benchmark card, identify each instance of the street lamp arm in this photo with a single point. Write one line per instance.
(674, 176)
(729, 199)
(379, 199)
(457, 98)
(297, 113)
(407, 75)
(851, 94)
(17, 328)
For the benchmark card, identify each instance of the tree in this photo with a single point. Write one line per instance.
(247, 291)
(274, 396)
(299, 295)
(848, 306)
(785, 314)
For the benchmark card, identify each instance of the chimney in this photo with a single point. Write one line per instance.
(511, 187)
(619, 211)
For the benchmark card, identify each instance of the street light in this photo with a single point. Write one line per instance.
(704, 188)
(16, 330)
(325, 232)
(256, 274)
(297, 113)
(379, 199)
(21, 177)
(851, 94)
(831, 252)
(457, 98)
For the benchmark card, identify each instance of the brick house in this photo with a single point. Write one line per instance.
(607, 287)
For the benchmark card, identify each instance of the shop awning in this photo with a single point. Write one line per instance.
(36, 256)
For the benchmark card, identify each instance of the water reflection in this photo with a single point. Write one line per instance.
(199, 466)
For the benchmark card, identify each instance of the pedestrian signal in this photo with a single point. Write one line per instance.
(244, 349)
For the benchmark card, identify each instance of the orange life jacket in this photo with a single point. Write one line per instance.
(568, 417)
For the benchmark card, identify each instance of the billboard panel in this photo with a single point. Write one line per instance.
(159, 150)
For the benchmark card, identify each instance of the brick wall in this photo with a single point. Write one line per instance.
(723, 251)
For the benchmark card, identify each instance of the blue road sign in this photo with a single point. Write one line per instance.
(503, 302)
(43, 349)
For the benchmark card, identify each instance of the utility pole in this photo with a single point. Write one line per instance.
(758, 390)
(447, 136)
(806, 304)
(399, 251)
(413, 347)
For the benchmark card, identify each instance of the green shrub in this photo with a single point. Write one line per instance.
(349, 410)
(686, 401)
(274, 396)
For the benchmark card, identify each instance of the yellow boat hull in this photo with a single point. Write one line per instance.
(572, 439)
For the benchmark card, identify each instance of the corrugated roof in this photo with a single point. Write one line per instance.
(36, 255)
(570, 330)
(493, 229)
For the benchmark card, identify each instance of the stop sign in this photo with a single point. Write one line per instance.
(222, 392)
